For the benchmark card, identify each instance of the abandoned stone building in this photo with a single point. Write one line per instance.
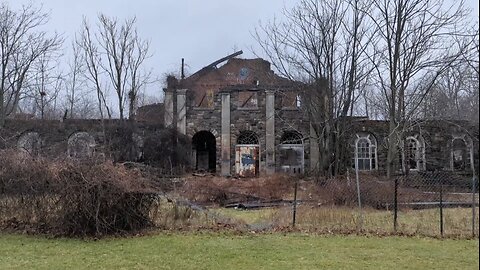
(241, 118)
(245, 120)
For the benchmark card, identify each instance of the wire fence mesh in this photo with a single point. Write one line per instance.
(439, 204)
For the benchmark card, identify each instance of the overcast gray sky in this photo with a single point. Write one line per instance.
(201, 31)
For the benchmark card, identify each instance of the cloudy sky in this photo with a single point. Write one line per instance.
(201, 31)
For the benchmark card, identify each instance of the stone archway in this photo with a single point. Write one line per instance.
(81, 145)
(30, 143)
(204, 148)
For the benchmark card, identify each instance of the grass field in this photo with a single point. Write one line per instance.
(229, 251)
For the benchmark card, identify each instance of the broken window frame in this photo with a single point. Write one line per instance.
(467, 153)
(291, 137)
(247, 137)
(414, 150)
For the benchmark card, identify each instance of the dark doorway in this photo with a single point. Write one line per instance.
(204, 151)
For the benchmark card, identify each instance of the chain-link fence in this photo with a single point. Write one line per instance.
(421, 203)
(442, 203)
(438, 204)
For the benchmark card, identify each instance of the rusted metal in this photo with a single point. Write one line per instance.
(214, 64)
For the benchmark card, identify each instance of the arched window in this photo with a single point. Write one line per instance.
(462, 153)
(291, 152)
(291, 137)
(414, 154)
(365, 152)
(247, 137)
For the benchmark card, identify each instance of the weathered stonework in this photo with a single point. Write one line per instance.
(70, 138)
(242, 95)
(245, 95)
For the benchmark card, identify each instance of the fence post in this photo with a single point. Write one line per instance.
(473, 205)
(295, 204)
(358, 195)
(441, 209)
(395, 205)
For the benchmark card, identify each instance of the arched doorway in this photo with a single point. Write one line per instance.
(204, 151)
(461, 153)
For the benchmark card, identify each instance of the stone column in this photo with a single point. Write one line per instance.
(314, 153)
(270, 131)
(182, 111)
(225, 164)
(168, 107)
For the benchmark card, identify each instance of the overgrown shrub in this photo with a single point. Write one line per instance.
(67, 198)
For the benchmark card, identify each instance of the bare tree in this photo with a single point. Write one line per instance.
(75, 83)
(21, 43)
(115, 57)
(44, 87)
(92, 58)
(416, 44)
(454, 96)
(322, 43)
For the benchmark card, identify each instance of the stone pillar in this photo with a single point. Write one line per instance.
(225, 164)
(168, 107)
(314, 153)
(270, 131)
(182, 111)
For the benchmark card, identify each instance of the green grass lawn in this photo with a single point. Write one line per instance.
(228, 251)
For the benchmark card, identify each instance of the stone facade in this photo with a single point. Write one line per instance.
(239, 97)
(246, 96)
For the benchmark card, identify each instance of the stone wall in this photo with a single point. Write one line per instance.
(74, 138)
(437, 136)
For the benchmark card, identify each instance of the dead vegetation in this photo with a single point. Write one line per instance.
(75, 199)
(334, 191)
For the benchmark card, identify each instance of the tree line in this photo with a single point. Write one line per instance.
(106, 68)
(402, 61)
